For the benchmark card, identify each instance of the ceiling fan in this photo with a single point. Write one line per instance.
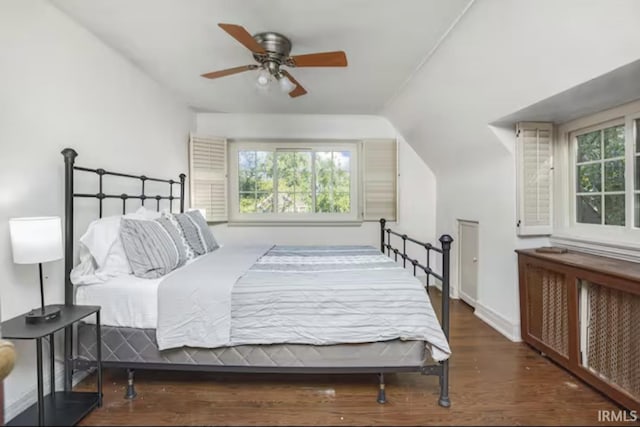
(271, 51)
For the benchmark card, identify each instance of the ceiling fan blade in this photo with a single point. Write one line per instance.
(239, 33)
(299, 90)
(323, 59)
(229, 71)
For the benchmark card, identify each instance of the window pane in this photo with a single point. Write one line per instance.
(614, 175)
(589, 146)
(247, 203)
(589, 178)
(294, 171)
(302, 202)
(246, 171)
(264, 203)
(323, 201)
(589, 209)
(333, 181)
(614, 142)
(264, 171)
(285, 202)
(342, 202)
(342, 174)
(614, 209)
(324, 168)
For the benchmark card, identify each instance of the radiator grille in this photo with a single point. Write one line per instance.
(548, 311)
(613, 346)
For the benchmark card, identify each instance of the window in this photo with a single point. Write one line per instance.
(597, 179)
(600, 176)
(294, 181)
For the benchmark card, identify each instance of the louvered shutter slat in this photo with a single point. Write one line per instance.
(534, 149)
(208, 157)
(380, 180)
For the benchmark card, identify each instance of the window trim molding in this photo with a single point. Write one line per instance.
(609, 240)
(292, 219)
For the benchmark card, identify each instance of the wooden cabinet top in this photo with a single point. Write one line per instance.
(613, 267)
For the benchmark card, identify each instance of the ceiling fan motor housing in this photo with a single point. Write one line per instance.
(278, 48)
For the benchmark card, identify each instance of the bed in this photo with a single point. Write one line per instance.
(285, 309)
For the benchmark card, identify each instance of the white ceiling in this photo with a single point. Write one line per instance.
(174, 41)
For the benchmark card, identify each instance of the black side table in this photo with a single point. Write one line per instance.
(58, 407)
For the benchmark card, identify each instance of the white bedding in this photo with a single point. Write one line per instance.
(308, 295)
(132, 302)
(127, 301)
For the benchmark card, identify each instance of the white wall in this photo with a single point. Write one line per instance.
(502, 56)
(416, 182)
(62, 87)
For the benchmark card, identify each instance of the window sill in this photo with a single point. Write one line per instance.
(354, 223)
(613, 249)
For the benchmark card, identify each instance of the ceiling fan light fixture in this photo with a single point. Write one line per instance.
(286, 85)
(263, 79)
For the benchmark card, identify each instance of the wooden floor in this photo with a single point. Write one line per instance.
(493, 382)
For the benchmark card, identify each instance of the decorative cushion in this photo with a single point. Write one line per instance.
(207, 236)
(194, 231)
(153, 247)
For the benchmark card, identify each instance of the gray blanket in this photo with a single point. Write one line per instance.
(331, 295)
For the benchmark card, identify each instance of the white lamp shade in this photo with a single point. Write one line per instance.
(36, 240)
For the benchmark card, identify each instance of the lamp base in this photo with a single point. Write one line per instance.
(38, 315)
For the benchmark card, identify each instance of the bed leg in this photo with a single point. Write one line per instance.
(130, 394)
(382, 397)
(444, 386)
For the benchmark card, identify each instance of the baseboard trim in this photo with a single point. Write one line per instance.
(498, 322)
(30, 396)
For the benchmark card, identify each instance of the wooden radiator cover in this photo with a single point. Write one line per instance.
(583, 311)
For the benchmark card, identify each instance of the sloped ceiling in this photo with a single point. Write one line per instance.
(174, 41)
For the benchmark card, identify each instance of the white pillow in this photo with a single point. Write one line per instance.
(102, 238)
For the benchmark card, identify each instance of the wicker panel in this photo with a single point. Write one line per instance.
(548, 308)
(613, 347)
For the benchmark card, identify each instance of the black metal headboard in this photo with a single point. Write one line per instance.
(69, 197)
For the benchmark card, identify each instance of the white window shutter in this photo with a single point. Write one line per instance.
(208, 176)
(380, 179)
(534, 154)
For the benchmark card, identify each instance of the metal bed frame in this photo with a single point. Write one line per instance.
(72, 363)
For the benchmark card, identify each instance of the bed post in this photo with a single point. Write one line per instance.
(382, 223)
(69, 159)
(182, 178)
(445, 241)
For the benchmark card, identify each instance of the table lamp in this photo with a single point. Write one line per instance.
(34, 241)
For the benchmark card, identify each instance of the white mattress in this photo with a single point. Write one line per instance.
(126, 301)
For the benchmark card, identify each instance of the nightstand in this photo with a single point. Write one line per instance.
(58, 407)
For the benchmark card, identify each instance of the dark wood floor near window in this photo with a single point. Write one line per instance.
(493, 381)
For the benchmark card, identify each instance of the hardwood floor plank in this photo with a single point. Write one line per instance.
(493, 382)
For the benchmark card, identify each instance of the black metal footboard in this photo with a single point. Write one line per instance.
(441, 370)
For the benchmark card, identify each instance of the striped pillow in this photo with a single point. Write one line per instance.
(153, 247)
(194, 231)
